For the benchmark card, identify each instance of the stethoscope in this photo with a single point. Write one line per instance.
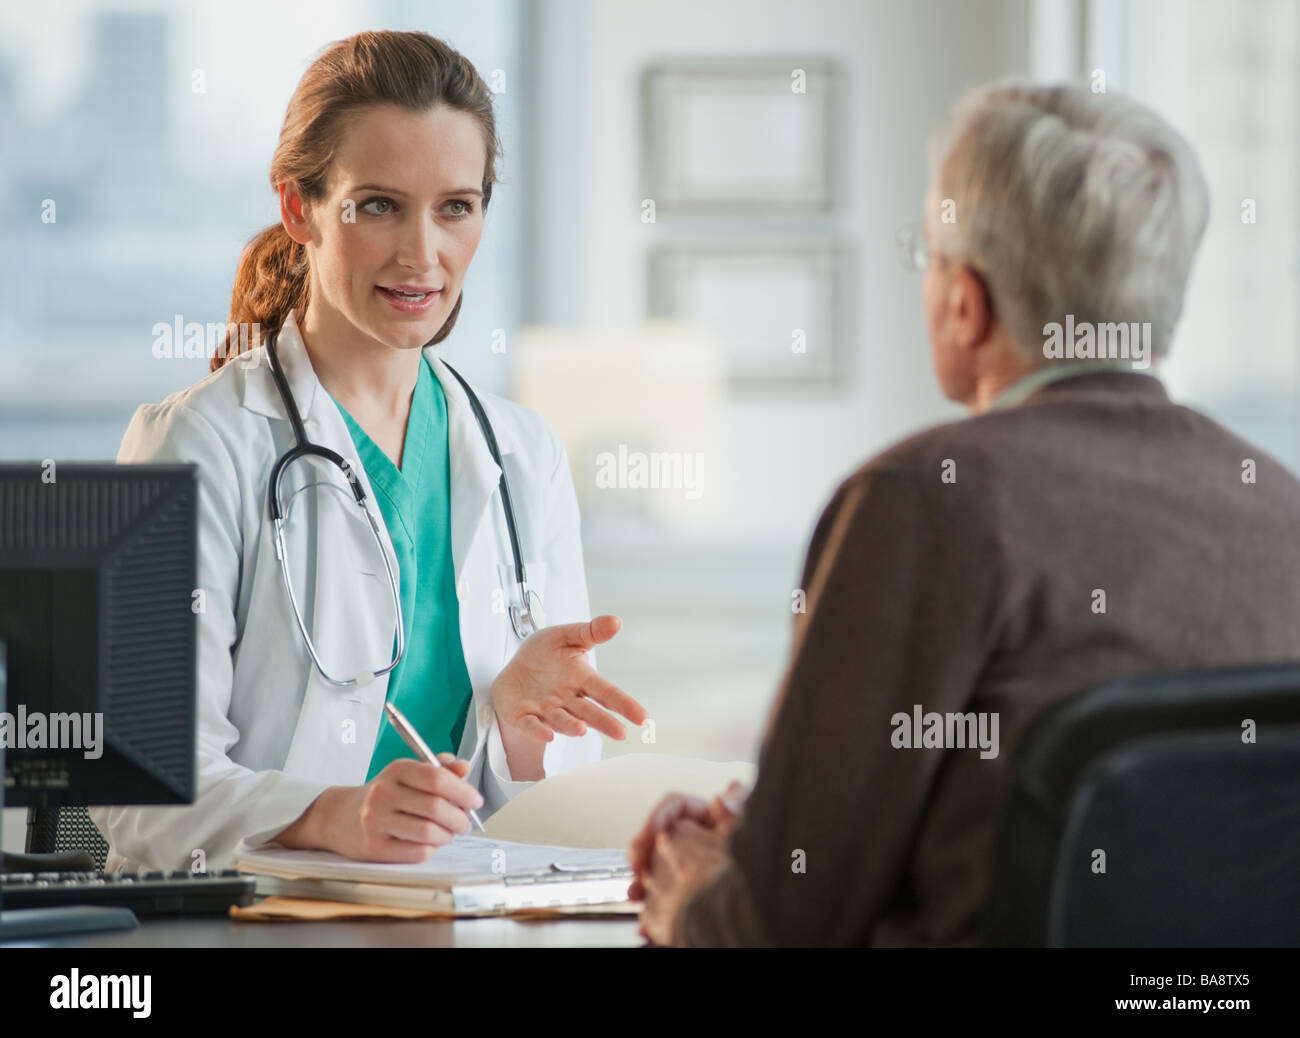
(525, 618)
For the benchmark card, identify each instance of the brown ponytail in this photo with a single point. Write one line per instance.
(410, 69)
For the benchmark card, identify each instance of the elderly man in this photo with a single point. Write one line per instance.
(1079, 527)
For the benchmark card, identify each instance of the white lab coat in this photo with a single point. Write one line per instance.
(272, 734)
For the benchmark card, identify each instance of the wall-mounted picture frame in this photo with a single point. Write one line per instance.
(780, 307)
(742, 135)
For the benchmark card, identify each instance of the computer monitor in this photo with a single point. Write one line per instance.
(98, 574)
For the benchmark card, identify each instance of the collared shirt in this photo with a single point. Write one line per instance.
(430, 684)
(1055, 372)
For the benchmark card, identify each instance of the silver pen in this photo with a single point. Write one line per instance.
(421, 749)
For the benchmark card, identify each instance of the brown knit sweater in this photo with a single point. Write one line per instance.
(993, 565)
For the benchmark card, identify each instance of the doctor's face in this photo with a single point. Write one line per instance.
(400, 222)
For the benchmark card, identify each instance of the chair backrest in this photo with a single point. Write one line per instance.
(55, 830)
(1161, 810)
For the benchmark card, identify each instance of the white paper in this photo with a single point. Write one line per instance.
(605, 803)
(466, 856)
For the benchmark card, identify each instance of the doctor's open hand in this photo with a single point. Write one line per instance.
(549, 686)
(402, 815)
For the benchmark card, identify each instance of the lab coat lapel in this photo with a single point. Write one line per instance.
(345, 591)
(259, 390)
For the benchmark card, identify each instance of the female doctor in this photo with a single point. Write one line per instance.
(384, 169)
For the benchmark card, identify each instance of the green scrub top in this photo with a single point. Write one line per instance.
(430, 684)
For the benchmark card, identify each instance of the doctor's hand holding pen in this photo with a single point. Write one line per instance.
(550, 687)
(410, 809)
(402, 815)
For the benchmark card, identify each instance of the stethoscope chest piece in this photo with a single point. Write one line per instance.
(530, 617)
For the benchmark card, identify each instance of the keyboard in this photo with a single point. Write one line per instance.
(144, 893)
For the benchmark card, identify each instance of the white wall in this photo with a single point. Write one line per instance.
(905, 64)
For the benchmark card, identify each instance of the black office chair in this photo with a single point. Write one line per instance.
(59, 835)
(1200, 830)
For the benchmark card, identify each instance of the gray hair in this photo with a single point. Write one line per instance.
(1069, 202)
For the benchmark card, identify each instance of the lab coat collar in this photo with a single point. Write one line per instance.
(260, 393)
